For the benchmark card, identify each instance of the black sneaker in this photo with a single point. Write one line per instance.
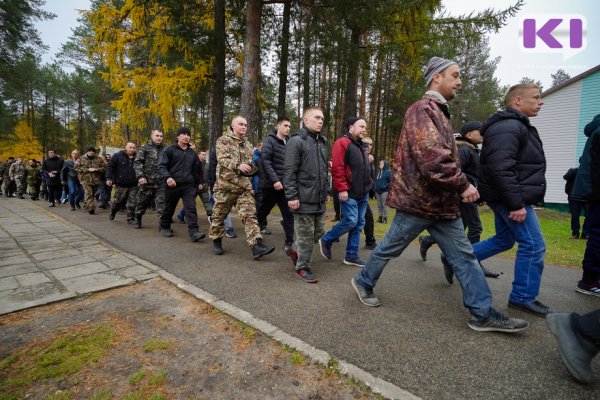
(325, 249)
(498, 322)
(592, 290)
(367, 297)
(536, 308)
(259, 249)
(195, 236)
(307, 275)
(356, 261)
(166, 232)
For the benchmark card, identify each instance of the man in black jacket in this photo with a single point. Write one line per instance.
(179, 166)
(272, 163)
(51, 167)
(121, 174)
(305, 184)
(575, 206)
(512, 181)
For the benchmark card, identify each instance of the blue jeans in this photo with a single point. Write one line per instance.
(353, 221)
(450, 237)
(529, 263)
(75, 191)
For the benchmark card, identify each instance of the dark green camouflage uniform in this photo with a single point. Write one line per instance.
(33, 180)
(90, 180)
(17, 174)
(233, 188)
(146, 166)
(7, 184)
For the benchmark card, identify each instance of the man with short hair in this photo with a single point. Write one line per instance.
(121, 174)
(369, 229)
(273, 167)
(89, 169)
(427, 184)
(352, 180)
(234, 187)
(150, 186)
(305, 182)
(5, 177)
(51, 168)
(202, 193)
(71, 180)
(512, 181)
(179, 167)
(34, 179)
(17, 174)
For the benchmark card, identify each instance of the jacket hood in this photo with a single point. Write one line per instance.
(509, 113)
(592, 126)
(465, 141)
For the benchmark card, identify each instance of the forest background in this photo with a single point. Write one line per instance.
(139, 64)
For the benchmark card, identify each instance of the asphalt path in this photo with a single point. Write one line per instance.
(418, 339)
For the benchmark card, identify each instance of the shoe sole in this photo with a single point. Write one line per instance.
(584, 291)
(321, 250)
(517, 307)
(492, 329)
(353, 282)
(353, 263)
(315, 280)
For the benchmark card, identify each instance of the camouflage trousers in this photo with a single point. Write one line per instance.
(89, 191)
(246, 207)
(21, 186)
(309, 229)
(127, 195)
(8, 187)
(145, 194)
(33, 189)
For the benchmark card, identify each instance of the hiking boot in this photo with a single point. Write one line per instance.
(425, 242)
(307, 275)
(575, 350)
(592, 290)
(217, 247)
(259, 249)
(356, 261)
(137, 222)
(230, 233)
(325, 249)
(112, 215)
(195, 236)
(536, 308)
(166, 232)
(367, 297)
(488, 273)
(448, 271)
(497, 322)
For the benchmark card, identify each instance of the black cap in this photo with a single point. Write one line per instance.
(91, 148)
(184, 131)
(470, 127)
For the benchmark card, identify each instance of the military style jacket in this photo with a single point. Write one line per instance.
(4, 170)
(231, 152)
(17, 171)
(146, 162)
(33, 174)
(86, 177)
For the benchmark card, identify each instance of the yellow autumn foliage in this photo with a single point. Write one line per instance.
(21, 143)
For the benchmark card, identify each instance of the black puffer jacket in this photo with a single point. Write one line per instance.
(305, 173)
(272, 160)
(512, 163)
(120, 170)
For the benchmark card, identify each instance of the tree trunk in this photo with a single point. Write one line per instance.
(251, 67)
(306, 65)
(283, 60)
(218, 86)
(352, 76)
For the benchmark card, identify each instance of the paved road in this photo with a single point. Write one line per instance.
(418, 339)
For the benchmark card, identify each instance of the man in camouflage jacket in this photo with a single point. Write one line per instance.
(234, 187)
(150, 185)
(90, 168)
(17, 174)
(7, 184)
(34, 179)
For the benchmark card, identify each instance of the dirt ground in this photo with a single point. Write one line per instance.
(163, 344)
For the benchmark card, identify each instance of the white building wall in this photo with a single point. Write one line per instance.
(558, 124)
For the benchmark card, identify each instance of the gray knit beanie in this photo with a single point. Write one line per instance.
(435, 66)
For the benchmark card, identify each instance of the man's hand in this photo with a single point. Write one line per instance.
(142, 181)
(277, 186)
(200, 186)
(470, 195)
(518, 215)
(63, 183)
(294, 204)
(109, 183)
(245, 168)
(343, 196)
(371, 159)
(171, 182)
(91, 169)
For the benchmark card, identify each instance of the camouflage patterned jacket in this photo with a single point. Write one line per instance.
(17, 170)
(4, 170)
(231, 152)
(86, 177)
(33, 174)
(146, 162)
(426, 179)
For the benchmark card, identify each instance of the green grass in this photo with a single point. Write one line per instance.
(297, 358)
(157, 378)
(136, 377)
(64, 356)
(156, 344)
(247, 331)
(105, 394)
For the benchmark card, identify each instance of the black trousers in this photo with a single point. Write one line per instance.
(336, 205)
(576, 207)
(369, 227)
(588, 325)
(270, 197)
(591, 257)
(54, 192)
(187, 193)
(471, 221)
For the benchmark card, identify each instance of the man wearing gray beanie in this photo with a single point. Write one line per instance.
(427, 186)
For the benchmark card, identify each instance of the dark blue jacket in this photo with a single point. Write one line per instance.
(384, 178)
(587, 183)
(120, 170)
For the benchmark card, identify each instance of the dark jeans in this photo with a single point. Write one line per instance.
(54, 192)
(472, 222)
(588, 325)
(270, 197)
(576, 207)
(187, 193)
(75, 191)
(591, 258)
(336, 205)
(369, 227)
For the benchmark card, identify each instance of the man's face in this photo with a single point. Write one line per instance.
(31, 163)
(51, 153)
(202, 156)
(475, 137)
(20, 160)
(90, 153)
(314, 120)
(156, 136)
(449, 82)
(368, 143)
(130, 149)
(381, 164)
(183, 139)
(530, 103)
(75, 155)
(283, 128)
(240, 126)
(359, 129)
